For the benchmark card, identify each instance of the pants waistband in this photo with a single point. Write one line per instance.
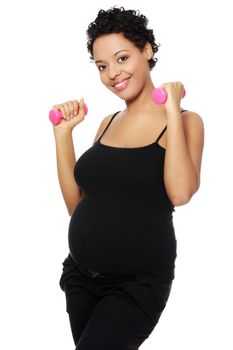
(91, 273)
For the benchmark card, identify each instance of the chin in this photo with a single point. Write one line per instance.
(130, 96)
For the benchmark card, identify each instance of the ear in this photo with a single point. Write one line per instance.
(148, 51)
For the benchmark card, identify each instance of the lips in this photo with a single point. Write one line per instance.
(120, 81)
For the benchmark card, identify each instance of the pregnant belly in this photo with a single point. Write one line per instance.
(110, 237)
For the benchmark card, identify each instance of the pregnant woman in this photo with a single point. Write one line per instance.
(121, 192)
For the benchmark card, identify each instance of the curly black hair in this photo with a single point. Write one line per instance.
(118, 20)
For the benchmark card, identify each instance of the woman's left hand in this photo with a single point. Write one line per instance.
(174, 92)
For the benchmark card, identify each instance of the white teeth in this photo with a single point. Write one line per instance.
(120, 84)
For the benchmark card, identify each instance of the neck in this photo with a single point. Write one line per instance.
(143, 101)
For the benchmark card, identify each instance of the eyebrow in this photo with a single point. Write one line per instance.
(113, 55)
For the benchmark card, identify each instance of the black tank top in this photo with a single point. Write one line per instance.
(124, 223)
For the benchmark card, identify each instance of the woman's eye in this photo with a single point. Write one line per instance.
(101, 70)
(100, 67)
(123, 57)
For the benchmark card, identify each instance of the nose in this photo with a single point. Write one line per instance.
(113, 72)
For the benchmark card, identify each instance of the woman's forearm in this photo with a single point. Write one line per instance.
(66, 161)
(179, 172)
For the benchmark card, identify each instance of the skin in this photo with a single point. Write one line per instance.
(184, 137)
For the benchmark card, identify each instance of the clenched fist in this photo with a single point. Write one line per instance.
(73, 112)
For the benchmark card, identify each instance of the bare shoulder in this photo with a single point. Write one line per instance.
(193, 123)
(194, 135)
(190, 115)
(102, 126)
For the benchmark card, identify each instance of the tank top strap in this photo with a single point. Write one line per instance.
(108, 125)
(165, 128)
(160, 135)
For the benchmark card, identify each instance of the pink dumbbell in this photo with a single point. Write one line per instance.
(55, 115)
(159, 96)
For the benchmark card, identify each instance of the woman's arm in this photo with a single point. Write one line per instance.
(66, 161)
(185, 142)
(65, 166)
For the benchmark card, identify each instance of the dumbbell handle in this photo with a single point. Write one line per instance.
(159, 95)
(55, 115)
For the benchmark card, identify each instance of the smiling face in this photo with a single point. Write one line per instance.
(117, 59)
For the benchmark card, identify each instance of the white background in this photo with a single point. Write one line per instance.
(44, 61)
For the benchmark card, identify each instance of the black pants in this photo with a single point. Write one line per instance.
(113, 313)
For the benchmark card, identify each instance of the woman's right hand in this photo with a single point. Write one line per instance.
(72, 114)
